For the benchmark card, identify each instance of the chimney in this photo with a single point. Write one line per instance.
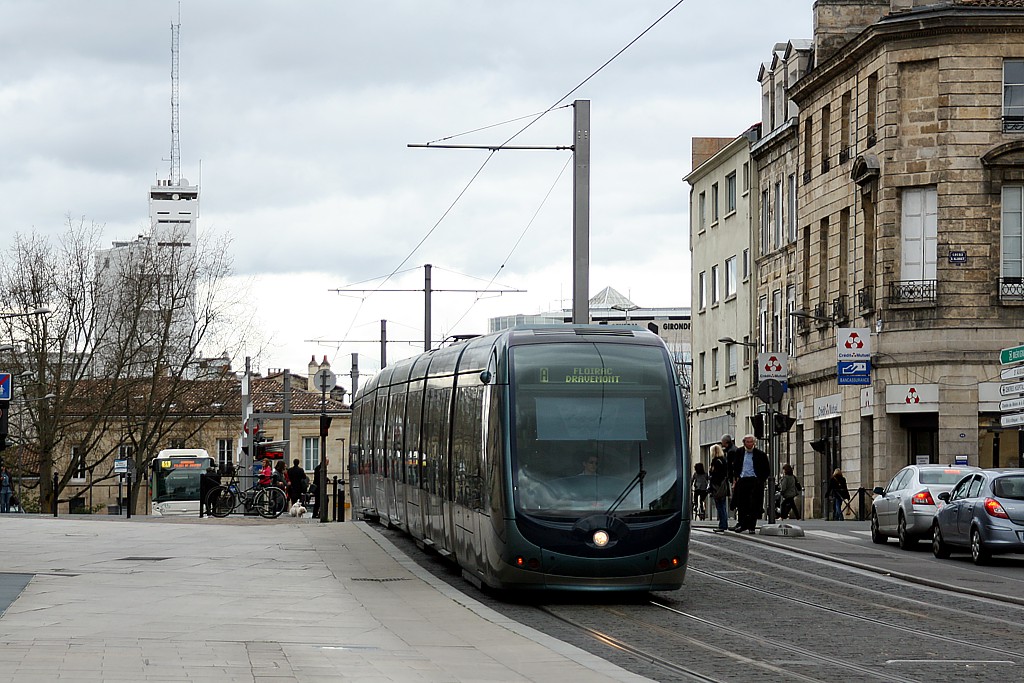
(837, 22)
(702, 149)
(311, 371)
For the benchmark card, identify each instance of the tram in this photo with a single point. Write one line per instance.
(548, 457)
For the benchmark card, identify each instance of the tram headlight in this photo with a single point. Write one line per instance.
(600, 538)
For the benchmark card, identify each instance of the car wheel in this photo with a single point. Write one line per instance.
(978, 552)
(939, 547)
(907, 542)
(876, 535)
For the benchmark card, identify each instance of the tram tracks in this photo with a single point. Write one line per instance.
(986, 626)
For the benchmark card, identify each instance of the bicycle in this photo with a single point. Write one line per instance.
(268, 501)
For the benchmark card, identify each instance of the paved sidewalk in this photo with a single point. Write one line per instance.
(201, 600)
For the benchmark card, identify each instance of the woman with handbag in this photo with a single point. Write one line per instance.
(718, 475)
(789, 488)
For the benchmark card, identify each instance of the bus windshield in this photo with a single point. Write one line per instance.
(595, 423)
(178, 478)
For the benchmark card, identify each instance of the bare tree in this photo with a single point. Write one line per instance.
(120, 350)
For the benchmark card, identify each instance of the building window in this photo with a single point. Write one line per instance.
(871, 115)
(714, 284)
(703, 372)
(780, 237)
(310, 452)
(1011, 267)
(702, 290)
(730, 193)
(702, 212)
(175, 443)
(776, 321)
(791, 208)
(746, 264)
(826, 135)
(125, 451)
(746, 177)
(730, 277)
(714, 367)
(919, 233)
(732, 360)
(762, 322)
(847, 127)
(77, 464)
(225, 452)
(714, 203)
(790, 320)
(765, 222)
(1013, 95)
(808, 148)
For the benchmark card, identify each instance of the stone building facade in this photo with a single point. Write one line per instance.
(909, 227)
(721, 183)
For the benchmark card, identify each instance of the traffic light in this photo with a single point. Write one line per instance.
(5, 411)
(783, 423)
(757, 422)
(325, 425)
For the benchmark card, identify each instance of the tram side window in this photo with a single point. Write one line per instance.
(396, 437)
(380, 431)
(413, 415)
(435, 434)
(366, 437)
(466, 446)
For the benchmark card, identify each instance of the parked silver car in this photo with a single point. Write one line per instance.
(906, 506)
(984, 513)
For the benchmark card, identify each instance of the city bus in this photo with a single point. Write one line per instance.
(174, 484)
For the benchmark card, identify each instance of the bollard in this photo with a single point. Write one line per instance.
(54, 494)
(860, 502)
(334, 499)
(341, 503)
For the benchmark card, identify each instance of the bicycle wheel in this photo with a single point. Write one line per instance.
(271, 502)
(220, 501)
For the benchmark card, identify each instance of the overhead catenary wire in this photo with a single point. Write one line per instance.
(491, 153)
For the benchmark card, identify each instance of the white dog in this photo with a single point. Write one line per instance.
(297, 510)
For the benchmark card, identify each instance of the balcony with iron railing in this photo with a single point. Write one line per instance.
(1013, 124)
(865, 300)
(912, 292)
(1011, 289)
(821, 317)
(840, 309)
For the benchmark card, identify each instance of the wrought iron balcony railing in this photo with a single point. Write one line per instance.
(865, 300)
(912, 291)
(1011, 289)
(840, 311)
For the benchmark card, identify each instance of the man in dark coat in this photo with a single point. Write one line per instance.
(208, 481)
(749, 470)
(297, 481)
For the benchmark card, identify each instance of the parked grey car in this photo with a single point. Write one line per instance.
(983, 513)
(906, 506)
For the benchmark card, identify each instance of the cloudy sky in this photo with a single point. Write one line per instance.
(295, 119)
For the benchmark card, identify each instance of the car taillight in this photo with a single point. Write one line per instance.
(994, 509)
(923, 498)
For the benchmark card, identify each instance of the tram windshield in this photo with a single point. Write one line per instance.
(595, 423)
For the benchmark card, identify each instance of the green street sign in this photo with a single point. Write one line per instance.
(1012, 355)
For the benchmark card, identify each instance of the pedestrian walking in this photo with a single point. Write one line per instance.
(789, 489)
(208, 481)
(6, 490)
(701, 483)
(718, 477)
(315, 487)
(838, 492)
(749, 469)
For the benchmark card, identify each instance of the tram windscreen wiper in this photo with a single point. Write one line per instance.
(625, 492)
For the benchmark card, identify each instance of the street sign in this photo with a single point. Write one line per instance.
(5, 386)
(1011, 404)
(853, 372)
(121, 467)
(1011, 389)
(1012, 373)
(325, 380)
(772, 366)
(960, 460)
(957, 256)
(769, 390)
(1012, 420)
(1014, 354)
(853, 343)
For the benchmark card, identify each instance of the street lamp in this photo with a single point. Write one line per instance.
(801, 313)
(38, 310)
(728, 341)
(626, 308)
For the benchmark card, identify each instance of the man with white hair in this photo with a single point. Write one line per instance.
(749, 470)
